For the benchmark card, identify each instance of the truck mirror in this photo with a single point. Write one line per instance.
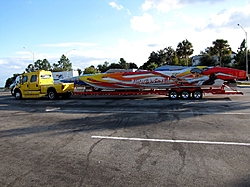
(20, 79)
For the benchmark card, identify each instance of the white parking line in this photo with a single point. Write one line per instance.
(52, 109)
(171, 141)
(147, 112)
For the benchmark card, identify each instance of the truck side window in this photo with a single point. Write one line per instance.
(25, 79)
(33, 78)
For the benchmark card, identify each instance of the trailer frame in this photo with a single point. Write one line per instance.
(184, 92)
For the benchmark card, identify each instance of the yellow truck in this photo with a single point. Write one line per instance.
(39, 84)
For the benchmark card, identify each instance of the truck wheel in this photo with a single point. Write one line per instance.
(197, 94)
(173, 94)
(185, 94)
(52, 94)
(18, 94)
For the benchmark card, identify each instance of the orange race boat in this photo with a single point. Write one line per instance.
(163, 77)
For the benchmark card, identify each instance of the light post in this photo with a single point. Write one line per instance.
(69, 51)
(31, 52)
(246, 51)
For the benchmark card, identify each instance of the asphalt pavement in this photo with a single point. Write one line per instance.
(125, 141)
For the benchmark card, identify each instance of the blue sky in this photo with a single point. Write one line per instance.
(107, 30)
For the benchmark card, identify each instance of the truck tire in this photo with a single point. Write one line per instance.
(197, 94)
(52, 95)
(173, 94)
(18, 94)
(185, 94)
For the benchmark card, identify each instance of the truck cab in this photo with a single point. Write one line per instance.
(40, 83)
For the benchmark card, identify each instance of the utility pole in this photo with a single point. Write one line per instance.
(31, 52)
(246, 51)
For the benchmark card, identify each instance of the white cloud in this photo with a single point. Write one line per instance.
(15, 67)
(230, 17)
(167, 5)
(161, 5)
(3, 62)
(144, 23)
(69, 44)
(116, 6)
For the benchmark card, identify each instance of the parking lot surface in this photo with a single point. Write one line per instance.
(125, 141)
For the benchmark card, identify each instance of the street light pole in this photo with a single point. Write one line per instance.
(246, 51)
(31, 52)
(69, 51)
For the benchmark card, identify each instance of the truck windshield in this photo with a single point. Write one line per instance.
(46, 76)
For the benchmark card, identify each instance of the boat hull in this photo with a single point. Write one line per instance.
(164, 78)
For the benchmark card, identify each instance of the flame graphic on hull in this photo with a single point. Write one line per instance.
(163, 78)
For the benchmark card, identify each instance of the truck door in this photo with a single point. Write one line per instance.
(24, 84)
(33, 85)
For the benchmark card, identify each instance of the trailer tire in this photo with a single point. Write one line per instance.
(18, 94)
(173, 94)
(185, 94)
(52, 95)
(197, 94)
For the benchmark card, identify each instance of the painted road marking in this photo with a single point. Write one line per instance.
(171, 141)
(147, 112)
(52, 109)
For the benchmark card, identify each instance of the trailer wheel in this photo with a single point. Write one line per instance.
(18, 94)
(185, 94)
(173, 94)
(52, 95)
(197, 94)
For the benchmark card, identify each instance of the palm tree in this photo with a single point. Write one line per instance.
(170, 55)
(220, 48)
(184, 50)
(162, 57)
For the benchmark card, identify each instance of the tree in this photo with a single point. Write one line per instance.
(79, 71)
(30, 68)
(39, 65)
(115, 66)
(9, 81)
(162, 57)
(42, 65)
(207, 60)
(152, 66)
(153, 58)
(220, 48)
(103, 68)
(170, 55)
(184, 50)
(123, 63)
(132, 65)
(90, 70)
(240, 57)
(63, 64)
